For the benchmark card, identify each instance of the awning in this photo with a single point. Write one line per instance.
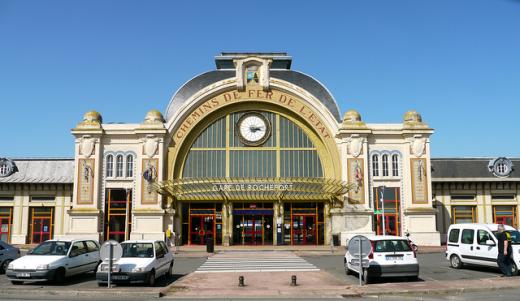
(253, 189)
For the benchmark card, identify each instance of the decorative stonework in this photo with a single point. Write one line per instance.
(7, 167)
(87, 146)
(150, 174)
(355, 146)
(501, 167)
(153, 117)
(86, 168)
(419, 181)
(91, 119)
(418, 146)
(261, 65)
(356, 176)
(150, 145)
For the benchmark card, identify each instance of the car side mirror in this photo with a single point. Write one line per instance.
(489, 242)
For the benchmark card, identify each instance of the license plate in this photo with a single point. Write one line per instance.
(394, 257)
(23, 275)
(120, 277)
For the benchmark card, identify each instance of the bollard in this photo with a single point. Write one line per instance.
(241, 281)
(293, 280)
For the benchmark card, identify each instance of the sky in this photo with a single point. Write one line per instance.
(457, 62)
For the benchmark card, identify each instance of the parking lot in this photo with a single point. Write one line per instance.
(433, 267)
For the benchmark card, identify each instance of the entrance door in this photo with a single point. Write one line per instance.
(118, 214)
(304, 230)
(253, 229)
(40, 224)
(201, 229)
(390, 224)
(5, 223)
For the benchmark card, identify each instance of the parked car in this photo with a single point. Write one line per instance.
(390, 256)
(54, 260)
(8, 253)
(476, 244)
(142, 261)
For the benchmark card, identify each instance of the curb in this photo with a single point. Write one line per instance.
(83, 293)
(432, 291)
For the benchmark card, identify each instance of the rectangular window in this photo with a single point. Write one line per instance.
(395, 166)
(483, 236)
(463, 197)
(454, 236)
(6, 215)
(467, 236)
(375, 165)
(43, 198)
(507, 197)
(464, 214)
(385, 165)
(119, 166)
(6, 198)
(505, 214)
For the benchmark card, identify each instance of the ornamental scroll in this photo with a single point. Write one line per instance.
(356, 195)
(148, 194)
(86, 169)
(419, 181)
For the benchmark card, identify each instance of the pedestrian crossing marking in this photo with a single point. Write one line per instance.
(256, 262)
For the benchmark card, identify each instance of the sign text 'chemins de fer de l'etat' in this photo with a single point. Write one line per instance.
(274, 96)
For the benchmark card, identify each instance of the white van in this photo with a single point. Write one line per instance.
(476, 244)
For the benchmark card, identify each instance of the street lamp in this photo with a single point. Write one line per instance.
(382, 198)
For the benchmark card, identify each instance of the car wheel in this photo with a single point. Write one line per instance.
(151, 278)
(17, 282)
(170, 270)
(455, 262)
(59, 276)
(514, 269)
(4, 265)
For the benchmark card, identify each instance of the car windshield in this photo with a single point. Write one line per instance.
(392, 246)
(142, 250)
(51, 248)
(515, 236)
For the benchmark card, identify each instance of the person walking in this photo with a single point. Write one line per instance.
(505, 251)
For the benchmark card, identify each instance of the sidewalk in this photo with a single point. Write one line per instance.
(316, 284)
(200, 251)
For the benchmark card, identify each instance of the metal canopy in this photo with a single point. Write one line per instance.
(253, 189)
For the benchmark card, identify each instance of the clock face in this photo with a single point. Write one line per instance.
(253, 129)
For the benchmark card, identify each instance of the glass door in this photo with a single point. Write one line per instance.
(201, 229)
(118, 214)
(253, 230)
(5, 223)
(304, 230)
(41, 224)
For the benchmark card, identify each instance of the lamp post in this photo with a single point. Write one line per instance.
(382, 197)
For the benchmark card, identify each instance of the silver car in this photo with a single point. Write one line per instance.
(8, 253)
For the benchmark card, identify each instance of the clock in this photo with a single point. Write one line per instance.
(253, 129)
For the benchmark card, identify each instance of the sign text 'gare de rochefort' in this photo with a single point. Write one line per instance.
(250, 153)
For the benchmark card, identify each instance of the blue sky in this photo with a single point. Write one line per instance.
(455, 61)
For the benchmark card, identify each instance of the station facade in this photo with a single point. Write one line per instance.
(251, 153)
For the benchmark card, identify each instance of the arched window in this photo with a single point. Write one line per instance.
(119, 166)
(110, 166)
(385, 165)
(395, 165)
(375, 165)
(129, 166)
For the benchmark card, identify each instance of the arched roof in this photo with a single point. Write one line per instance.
(302, 80)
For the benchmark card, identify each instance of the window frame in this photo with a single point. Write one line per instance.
(375, 165)
(129, 164)
(120, 166)
(472, 236)
(384, 163)
(395, 165)
(109, 172)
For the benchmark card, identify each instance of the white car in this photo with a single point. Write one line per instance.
(476, 244)
(390, 256)
(142, 261)
(54, 260)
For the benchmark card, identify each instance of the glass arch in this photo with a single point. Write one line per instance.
(218, 151)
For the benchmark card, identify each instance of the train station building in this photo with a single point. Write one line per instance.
(251, 153)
